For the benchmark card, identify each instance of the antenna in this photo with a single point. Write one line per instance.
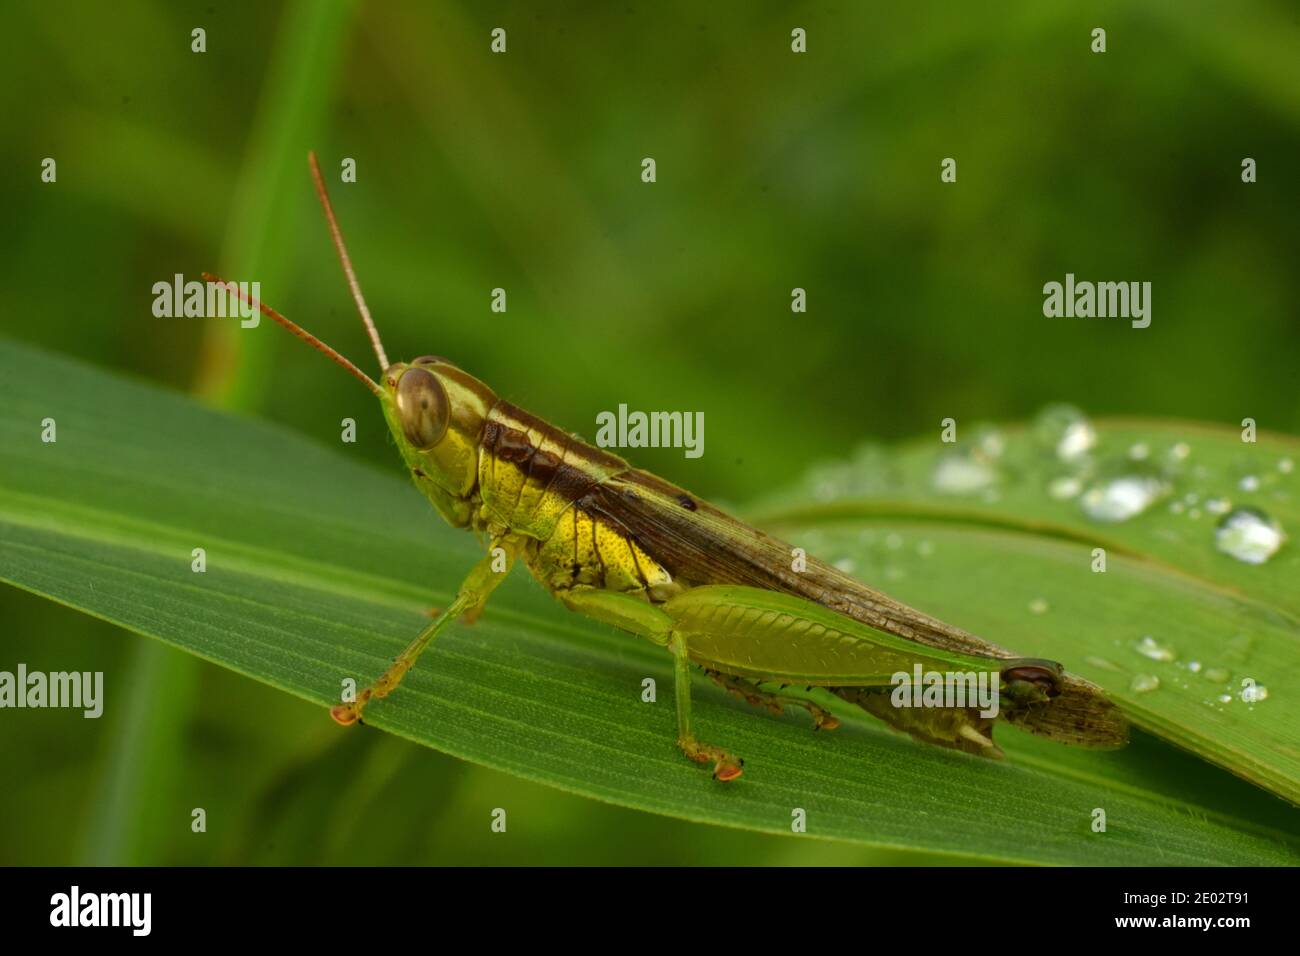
(297, 330)
(347, 262)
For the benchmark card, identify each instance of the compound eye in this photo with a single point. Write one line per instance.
(422, 405)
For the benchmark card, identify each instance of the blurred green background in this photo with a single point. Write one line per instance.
(522, 171)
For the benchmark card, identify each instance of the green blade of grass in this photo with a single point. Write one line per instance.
(318, 569)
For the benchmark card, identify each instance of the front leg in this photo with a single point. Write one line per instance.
(481, 581)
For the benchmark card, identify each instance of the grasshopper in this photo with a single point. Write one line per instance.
(629, 549)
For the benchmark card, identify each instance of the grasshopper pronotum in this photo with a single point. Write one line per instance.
(630, 549)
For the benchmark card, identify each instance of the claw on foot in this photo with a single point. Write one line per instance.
(725, 766)
(824, 720)
(724, 772)
(345, 715)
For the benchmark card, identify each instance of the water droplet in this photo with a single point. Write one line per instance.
(1176, 507)
(962, 474)
(1254, 693)
(1248, 535)
(925, 548)
(1218, 506)
(1066, 486)
(1038, 606)
(989, 441)
(1225, 698)
(1121, 498)
(1218, 675)
(1194, 514)
(893, 541)
(1180, 451)
(1065, 430)
(1078, 439)
(1144, 683)
(1150, 647)
(1102, 663)
(1194, 666)
(1249, 483)
(1286, 466)
(846, 565)
(1139, 451)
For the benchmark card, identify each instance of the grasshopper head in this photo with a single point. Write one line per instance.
(437, 413)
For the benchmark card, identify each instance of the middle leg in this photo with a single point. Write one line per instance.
(641, 617)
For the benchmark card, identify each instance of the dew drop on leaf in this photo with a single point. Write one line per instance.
(1065, 430)
(1144, 683)
(962, 474)
(1248, 535)
(1120, 499)
(1066, 486)
(1151, 648)
(989, 442)
(1254, 693)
